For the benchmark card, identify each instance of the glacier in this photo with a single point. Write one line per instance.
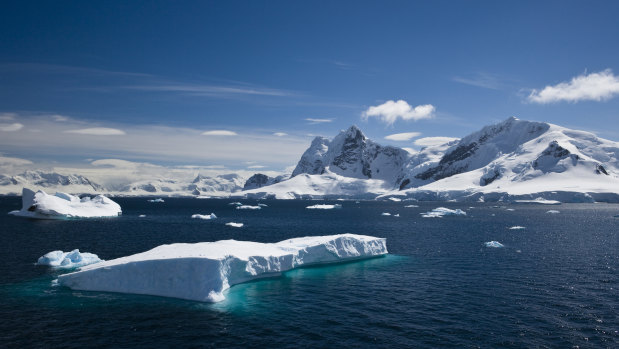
(204, 271)
(68, 260)
(41, 205)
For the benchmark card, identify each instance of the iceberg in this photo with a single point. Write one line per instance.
(235, 203)
(248, 207)
(442, 211)
(411, 206)
(516, 227)
(552, 211)
(263, 205)
(204, 271)
(142, 216)
(156, 200)
(68, 260)
(494, 244)
(204, 216)
(394, 199)
(385, 214)
(324, 207)
(234, 224)
(41, 205)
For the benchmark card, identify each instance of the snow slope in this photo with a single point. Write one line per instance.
(203, 271)
(41, 205)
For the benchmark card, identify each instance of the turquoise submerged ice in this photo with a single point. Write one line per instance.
(203, 271)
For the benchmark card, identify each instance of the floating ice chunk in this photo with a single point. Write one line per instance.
(235, 225)
(442, 211)
(552, 211)
(248, 207)
(66, 260)
(394, 199)
(142, 216)
(203, 271)
(263, 205)
(411, 206)
(203, 197)
(396, 215)
(385, 214)
(235, 203)
(494, 244)
(510, 209)
(41, 205)
(204, 216)
(516, 227)
(324, 207)
(539, 201)
(156, 200)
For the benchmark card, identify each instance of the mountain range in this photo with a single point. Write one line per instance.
(513, 159)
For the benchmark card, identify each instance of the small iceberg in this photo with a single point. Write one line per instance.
(552, 211)
(411, 206)
(394, 199)
(41, 205)
(235, 203)
(68, 260)
(443, 211)
(234, 224)
(494, 244)
(263, 205)
(142, 216)
(203, 216)
(385, 214)
(156, 200)
(323, 207)
(396, 215)
(204, 271)
(510, 209)
(248, 207)
(516, 227)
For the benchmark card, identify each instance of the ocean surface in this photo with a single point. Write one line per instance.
(553, 284)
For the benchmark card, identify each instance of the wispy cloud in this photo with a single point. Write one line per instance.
(16, 126)
(7, 116)
(390, 111)
(60, 118)
(406, 136)
(592, 87)
(219, 133)
(318, 121)
(483, 80)
(280, 134)
(431, 141)
(256, 166)
(98, 131)
(208, 89)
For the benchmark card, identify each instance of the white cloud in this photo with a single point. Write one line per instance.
(483, 80)
(430, 141)
(280, 134)
(410, 150)
(7, 116)
(318, 121)
(593, 87)
(406, 136)
(256, 166)
(98, 131)
(60, 118)
(16, 126)
(391, 111)
(219, 133)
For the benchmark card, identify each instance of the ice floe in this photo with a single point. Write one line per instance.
(236, 203)
(204, 271)
(411, 206)
(263, 205)
(203, 216)
(156, 200)
(443, 211)
(394, 199)
(385, 214)
(494, 244)
(552, 211)
(41, 205)
(73, 259)
(234, 224)
(516, 227)
(324, 207)
(142, 216)
(248, 207)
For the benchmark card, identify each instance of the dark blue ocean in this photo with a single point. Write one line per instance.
(554, 284)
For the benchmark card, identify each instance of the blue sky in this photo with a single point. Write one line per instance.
(163, 73)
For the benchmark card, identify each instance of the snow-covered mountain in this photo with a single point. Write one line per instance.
(512, 159)
(12, 185)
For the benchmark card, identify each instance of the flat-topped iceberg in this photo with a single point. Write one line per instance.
(442, 211)
(67, 260)
(203, 271)
(62, 205)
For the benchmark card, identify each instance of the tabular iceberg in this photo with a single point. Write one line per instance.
(203, 271)
(62, 205)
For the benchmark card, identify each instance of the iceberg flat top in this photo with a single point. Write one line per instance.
(62, 205)
(203, 271)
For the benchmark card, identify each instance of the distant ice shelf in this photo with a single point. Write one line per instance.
(41, 205)
(203, 271)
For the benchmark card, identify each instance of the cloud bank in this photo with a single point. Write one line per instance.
(219, 133)
(406, 136)
(16, 126)
(390, 111)
(593, 87)
(431, 141)
(98, 131)
(318, 121)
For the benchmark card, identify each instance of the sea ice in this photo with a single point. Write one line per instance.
(442, 211)
(411, 206)
(494, 244)
(552, 211)
(516, 227)
(234, 224)
(235, 203)
(204, 271)
(66, 260)
(324, 207)
(62, 205)
(204, 216)
(156, 200)
(248, 207)
(263, 205)
(396, 215)
(385, 214)
(510, 209)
